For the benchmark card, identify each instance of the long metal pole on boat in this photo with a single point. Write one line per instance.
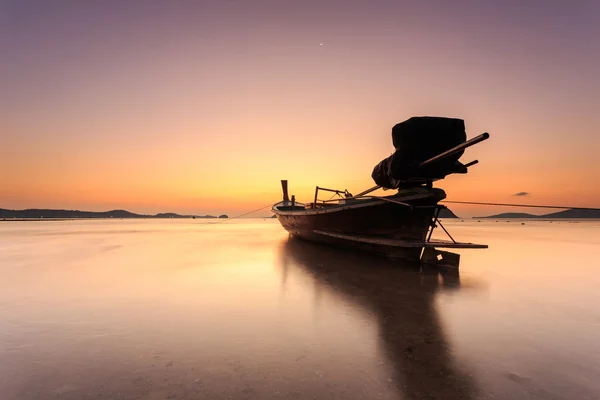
(374, 188)
(456, 149)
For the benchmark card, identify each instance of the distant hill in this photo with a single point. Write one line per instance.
(170, 215)
(575, 214)
(447, 213)
(511, 215)
(570, 214)
(72, 214)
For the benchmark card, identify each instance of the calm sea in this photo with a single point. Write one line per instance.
(186, 309)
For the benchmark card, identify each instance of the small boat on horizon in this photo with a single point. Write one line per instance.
(399, 225)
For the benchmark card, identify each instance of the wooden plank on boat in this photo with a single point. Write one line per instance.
(403, 243)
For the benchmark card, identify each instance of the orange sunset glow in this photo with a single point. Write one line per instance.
(203, 107)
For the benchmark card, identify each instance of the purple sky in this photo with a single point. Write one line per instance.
(129, 103)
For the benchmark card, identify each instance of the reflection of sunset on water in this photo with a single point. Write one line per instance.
(148, 308)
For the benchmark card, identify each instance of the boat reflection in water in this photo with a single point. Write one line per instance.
(402, 300)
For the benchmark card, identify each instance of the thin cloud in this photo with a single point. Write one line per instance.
(521, 194)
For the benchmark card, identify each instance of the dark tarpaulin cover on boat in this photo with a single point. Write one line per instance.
(382, 174)
(416, 140)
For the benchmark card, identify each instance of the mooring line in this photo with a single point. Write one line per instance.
(520, 205)
(443, 201)
(242, 215)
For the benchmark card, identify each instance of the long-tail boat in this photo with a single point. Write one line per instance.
(398, 225)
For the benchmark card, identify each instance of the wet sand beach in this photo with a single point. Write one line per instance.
(188, 309)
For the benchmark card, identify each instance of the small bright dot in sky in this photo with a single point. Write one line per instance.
(320, 44)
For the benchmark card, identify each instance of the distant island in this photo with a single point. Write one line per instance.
(35, 213)
(447, 213)
(570, 214)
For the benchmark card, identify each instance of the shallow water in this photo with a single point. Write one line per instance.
(188, 309)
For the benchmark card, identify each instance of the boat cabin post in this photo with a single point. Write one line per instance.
(284, 187)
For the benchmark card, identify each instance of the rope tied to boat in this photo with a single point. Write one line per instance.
(519, 205)
(241, 215)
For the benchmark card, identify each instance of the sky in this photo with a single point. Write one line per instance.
(204, 106)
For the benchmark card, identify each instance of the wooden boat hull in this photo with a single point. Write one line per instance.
(341, 225)
(406, 253)
(398, 225)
